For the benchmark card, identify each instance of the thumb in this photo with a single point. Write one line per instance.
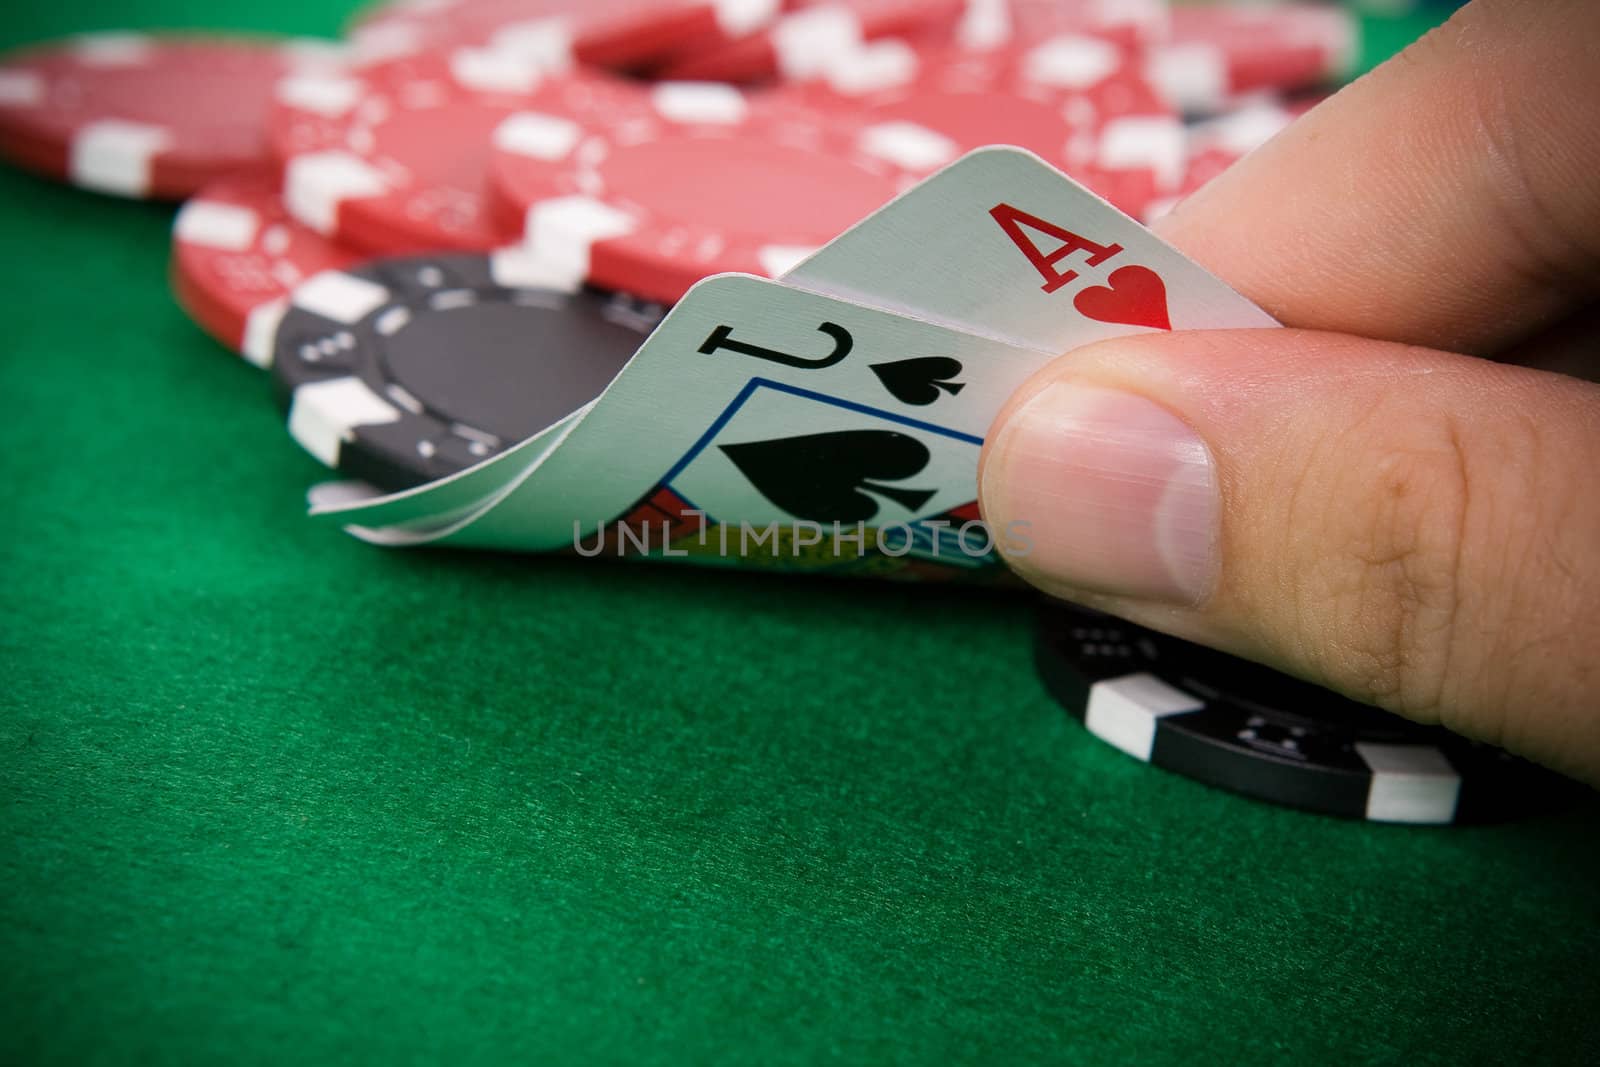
(1415, 529)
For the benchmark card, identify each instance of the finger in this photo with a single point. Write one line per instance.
(1414, 529)
(1448, 198)
(1570, 347)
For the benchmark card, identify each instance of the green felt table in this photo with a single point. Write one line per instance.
(268, 794)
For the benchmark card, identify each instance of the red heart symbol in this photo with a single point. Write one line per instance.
(1134, 295)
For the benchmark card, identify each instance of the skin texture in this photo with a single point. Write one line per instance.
(1400, 514)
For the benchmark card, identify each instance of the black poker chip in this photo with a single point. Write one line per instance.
(405, 370)
(1236, 724)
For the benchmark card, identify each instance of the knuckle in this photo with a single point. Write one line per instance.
(1437, 559)
(1542, 244)
(1384, 581)
(1528, 175)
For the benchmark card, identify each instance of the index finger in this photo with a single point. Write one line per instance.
(1447, 199)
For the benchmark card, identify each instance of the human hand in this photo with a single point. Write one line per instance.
(1365, 500)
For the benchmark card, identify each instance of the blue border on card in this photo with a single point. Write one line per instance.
(849, 405)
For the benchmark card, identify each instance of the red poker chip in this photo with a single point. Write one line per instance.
(651, 193)
(1135, 152)
(142, 116)
(394, 159)
(1079, 102)
(557, 33)
(987, 24)
(236, 254)
(805, 43)
(310, 110)
(1218, 53)
(723, 34)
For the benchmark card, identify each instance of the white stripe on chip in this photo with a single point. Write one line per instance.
(908, 145)
(545, 43)
(560, 232)
(537, 135)
(323, 415)
(1072, 62)
(261, 331)
(214, 224)
(21, 88)
(808, 42)
(1151, 142)
(492, 70)
(1192, 77)
(873, 67)
(736, 18)
(778, 260)
(315, 184)
(112, 49)
(114, 156)
(707, 102)
(341, 297)
(1410, 783)
(329, 95)
(1123, 711)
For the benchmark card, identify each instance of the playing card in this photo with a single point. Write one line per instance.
(1002, 244)
(758, 405)
(835, 417)
(427, 512)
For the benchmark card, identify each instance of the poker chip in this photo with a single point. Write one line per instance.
(236, 254)
(394, 159)
(1000, 23)
(651, 194)
(1077, 101)
(405, 370)
(1235, 724)
(556, 34)
(804, 44)
(140, 116)
(1218, 143)
(1218, 53)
